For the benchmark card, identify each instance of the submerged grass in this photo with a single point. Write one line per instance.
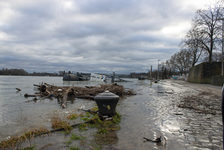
(105, 132)
(83, 127)
(13, 141)
(74, 148)
(69, 142)
(94, 121)
(95, 148)
(29, 148)
(94, 109)
(72, 116)
(106, 138)
(102, 131)
(116, 118)
(76, 137)
(57, 123)
(106, 129)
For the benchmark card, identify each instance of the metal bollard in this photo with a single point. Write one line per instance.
(106, 103)
(113, 77)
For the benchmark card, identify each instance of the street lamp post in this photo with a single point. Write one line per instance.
(151, 73)
(222, 42)
(158, 70)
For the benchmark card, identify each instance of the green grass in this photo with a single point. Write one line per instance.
(102, 131)
(68, 142)
(29, 148)
(117, 118)
(97, 148)
(76, 137)
(72, 116)
(83, 127)
(74, 148)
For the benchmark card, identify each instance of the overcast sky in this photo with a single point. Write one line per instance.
(92, 35)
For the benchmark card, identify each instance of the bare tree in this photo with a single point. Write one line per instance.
(183, 61)
(216, 57)
(180, 62)
(191, 43)
(208, 24)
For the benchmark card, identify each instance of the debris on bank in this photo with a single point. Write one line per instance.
(64, 93)
(157, 140)
(204, 102)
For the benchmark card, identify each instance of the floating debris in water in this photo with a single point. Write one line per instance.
(63, 93)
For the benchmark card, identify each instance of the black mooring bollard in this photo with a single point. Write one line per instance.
(106, 103)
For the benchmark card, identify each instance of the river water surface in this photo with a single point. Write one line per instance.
(151, 113)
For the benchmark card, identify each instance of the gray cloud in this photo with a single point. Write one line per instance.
(90, 35)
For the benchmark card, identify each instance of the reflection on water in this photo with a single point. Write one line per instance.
(151, 113)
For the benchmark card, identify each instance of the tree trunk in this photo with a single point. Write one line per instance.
(211, 44)
(210, 57)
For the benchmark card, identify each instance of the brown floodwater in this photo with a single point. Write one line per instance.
(151, 113)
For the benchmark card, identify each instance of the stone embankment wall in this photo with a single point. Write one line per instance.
(206, 73)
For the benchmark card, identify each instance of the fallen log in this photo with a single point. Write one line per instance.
(85, 97)
(29, 95)
(59, 129)
(89, 111)
(33, 100)
(157, 140)
(18, 89)
(36, 85)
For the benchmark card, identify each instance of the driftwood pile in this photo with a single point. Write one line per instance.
(64, 93)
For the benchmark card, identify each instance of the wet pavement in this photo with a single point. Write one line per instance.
(152, 113)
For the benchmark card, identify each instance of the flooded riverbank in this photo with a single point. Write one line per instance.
(152, 113)
(158, 114)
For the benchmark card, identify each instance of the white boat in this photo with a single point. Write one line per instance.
(97, 77)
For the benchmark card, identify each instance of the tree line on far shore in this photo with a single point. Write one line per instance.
(202, 43)
(22, 72)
